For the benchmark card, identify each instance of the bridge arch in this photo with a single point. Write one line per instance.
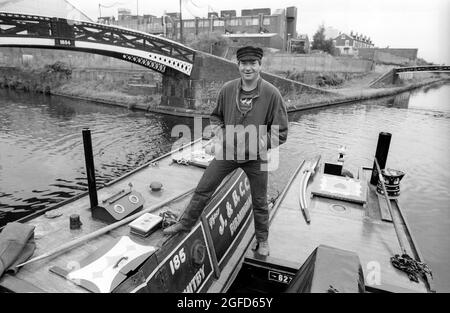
(154, 52)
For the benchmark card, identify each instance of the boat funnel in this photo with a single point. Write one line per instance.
(90, 169)
(381, 154)
(116, 207)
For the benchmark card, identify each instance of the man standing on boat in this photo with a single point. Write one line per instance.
(249, 119)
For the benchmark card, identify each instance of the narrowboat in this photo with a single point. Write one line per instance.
(111, 240)
(329, 232)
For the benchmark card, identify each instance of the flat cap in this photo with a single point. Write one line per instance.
(249, 53)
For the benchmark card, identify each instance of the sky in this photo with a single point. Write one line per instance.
(422, 24)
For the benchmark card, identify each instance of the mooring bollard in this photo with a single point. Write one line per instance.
(90, 169)
(381, 154)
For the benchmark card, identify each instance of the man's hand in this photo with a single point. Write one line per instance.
(218, 133)
(210, 148)
(215, 146)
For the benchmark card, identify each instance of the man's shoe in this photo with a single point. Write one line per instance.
(175, 229)
(263, 248)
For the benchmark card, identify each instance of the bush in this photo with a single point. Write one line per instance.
(59, 67)
(329, 80)
(213, 43)
(294, 75)
(320, 43)
(422, 62)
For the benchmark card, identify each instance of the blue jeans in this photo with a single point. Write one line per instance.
(211, 179)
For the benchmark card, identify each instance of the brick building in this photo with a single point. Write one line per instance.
(349, 44)
(279, 25)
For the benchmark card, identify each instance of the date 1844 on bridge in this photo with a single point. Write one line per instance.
(64, 42)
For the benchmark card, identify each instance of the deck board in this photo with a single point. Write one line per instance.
(50, 233)
(354, 229)
(372, 241)
(384, 210)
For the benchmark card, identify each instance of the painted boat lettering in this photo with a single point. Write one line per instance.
(177, 260)
(280, 277)
(229, 216)
(240, 216)
(230, 206)
(182, 270)
(196, 281)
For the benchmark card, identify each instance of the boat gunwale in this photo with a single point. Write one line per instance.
(429, 279)
(38, 213)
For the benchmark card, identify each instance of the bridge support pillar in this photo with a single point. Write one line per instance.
(200, 90)
(195, 94)
(177, 90)
(395, 78)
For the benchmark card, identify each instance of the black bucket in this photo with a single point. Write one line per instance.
(392, 180)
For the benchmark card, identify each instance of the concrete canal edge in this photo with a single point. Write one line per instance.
(366, 94)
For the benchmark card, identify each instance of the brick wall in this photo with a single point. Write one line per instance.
(389, 56)
(277, 63)
(13, 56)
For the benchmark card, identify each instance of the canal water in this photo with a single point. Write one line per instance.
(42, 158)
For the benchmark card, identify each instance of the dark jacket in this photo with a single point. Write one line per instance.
(268, 114)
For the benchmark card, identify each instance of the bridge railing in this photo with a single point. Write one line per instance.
(426, 68)
(66, 33)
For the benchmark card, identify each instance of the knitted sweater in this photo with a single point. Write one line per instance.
(268, 117)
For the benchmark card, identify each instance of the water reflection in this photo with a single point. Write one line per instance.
(400, 101)
(42, 158)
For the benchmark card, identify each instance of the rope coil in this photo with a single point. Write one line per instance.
(168, 218)
(413, 268)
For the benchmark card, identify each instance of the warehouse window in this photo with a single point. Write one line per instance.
(234, 22)
(247, 21)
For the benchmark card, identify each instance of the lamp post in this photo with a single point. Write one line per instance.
(137, 14)
(181, 25)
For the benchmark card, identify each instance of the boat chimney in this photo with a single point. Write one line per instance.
(342, 152)
(381, 154)
(90, 170)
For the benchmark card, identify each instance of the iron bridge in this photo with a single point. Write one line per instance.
(153, 52)
(427, 68)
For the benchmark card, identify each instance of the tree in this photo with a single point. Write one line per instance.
(213, 43)
(320, 43)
